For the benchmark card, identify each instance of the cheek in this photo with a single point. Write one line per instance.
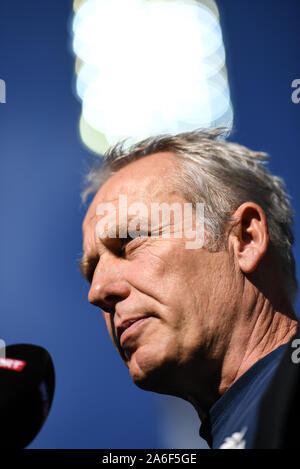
(155, 271)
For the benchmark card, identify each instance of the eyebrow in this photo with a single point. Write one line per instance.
(113, 230)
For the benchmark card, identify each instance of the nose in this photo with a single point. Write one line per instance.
(108, 287)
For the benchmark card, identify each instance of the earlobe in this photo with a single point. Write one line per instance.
(251, 236)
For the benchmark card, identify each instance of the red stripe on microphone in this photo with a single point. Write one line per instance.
(12, 364)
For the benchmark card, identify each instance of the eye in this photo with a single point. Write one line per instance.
(87, 268)
(126, 241)
(135, 238)
(92, 269)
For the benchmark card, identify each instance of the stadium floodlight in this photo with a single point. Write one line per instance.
(146, 67)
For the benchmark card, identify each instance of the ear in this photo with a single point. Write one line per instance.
(250, 238)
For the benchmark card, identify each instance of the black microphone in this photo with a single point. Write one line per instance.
(27, 382)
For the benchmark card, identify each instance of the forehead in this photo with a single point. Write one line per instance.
(141, 180)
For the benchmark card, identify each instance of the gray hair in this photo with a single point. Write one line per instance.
(222, 175)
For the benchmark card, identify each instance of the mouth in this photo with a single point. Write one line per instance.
(128, 328)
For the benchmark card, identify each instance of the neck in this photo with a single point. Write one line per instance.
(268, 331)
(255, 333)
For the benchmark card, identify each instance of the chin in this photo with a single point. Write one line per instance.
(149, 371)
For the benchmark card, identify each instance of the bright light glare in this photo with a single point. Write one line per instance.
(149, 67)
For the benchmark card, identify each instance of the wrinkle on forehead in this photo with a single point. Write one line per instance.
(144, 180)
(146, 175)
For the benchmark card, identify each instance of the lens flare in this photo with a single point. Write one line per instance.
(146, 67)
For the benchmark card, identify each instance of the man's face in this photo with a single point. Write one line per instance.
(163, 304)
